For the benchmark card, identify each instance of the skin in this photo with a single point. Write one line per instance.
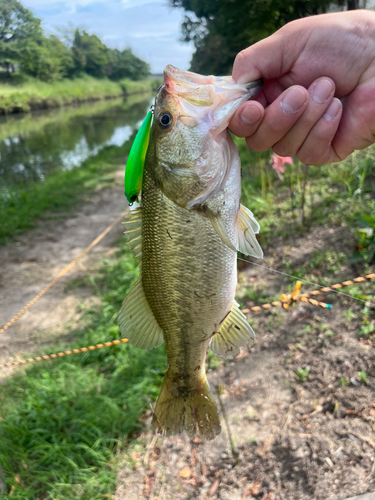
(318, 100)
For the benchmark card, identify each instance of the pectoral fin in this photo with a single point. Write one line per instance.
(246, 229)
(235, 332)
(218, 225)
(137, 322)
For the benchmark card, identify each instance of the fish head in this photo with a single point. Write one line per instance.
(190, 135)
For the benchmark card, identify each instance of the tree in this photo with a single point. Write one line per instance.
(90, 54)
(24, 46)
(18, 27)
(220, 29)
(48, 59)
(124, 64)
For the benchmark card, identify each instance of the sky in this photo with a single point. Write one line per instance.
(150, 27)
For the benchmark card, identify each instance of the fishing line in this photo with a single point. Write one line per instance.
(300, 279)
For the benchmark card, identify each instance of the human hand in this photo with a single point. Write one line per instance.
(318, 101)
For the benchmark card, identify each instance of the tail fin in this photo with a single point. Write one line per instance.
(191, 409)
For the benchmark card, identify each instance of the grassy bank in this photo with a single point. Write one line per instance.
(20, 205)
(30, 123)
(35, 94)
(64, 423)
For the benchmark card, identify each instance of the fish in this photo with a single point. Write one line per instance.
(186, 234)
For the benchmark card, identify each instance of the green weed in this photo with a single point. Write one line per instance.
(349, 314)
(308, 196)
(302, 374)
(344, 381)
(363, 377)
(212, 361)
(368, 323)
(366, 240)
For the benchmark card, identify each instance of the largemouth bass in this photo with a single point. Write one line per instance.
(186, 235)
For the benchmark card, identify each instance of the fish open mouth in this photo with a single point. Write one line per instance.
(182, 82)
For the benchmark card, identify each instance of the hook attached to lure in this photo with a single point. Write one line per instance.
(136, 160)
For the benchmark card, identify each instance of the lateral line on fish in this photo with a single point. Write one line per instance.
(300, 279)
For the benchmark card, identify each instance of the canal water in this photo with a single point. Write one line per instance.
(32, 145)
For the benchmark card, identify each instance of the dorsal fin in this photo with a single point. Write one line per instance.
(133, 226)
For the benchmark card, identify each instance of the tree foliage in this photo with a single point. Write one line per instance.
(125, 64)
(90, 54)
(93, 57)
(24, 47)
(18, 27)
(220, 29)
(48, 59)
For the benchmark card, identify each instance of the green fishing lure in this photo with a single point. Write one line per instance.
(136, 160)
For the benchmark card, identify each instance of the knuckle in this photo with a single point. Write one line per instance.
(309, 158)
(284, 150)
(306, 157)
(240, 58)
(255, 145)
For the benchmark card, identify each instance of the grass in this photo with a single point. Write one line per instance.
(34, 94)
(337, 194)
(130, 87)
(66, 421)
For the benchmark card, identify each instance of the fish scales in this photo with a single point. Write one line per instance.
(187, 280)
(186, 234)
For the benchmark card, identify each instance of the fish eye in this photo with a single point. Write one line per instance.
(165, 120)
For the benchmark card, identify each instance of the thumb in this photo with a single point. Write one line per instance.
(272, 57)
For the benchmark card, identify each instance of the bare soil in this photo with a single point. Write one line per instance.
(29, 264)
(282, 438)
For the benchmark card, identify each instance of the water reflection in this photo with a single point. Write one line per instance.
(33, 145)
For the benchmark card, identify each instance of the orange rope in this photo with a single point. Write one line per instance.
(64, 353)
(287, 301)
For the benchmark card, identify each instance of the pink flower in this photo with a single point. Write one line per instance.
(279, 163)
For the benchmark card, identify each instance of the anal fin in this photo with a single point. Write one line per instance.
(235, 332)
(137, 322)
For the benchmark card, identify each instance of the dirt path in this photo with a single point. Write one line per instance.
(29, 264)
(295, 435)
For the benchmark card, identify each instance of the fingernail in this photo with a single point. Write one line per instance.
(294, 100)
(250, 115)
(322, 90)
(333, 110)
